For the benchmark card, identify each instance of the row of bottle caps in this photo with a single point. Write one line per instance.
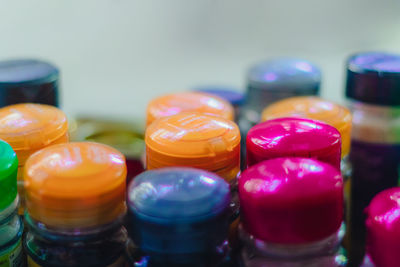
(286, 199)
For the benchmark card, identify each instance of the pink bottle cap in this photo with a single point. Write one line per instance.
(293, 137)
(383, 228)
(291, 200)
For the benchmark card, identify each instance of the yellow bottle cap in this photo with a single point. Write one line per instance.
(314, 108)
(75, 185)
(195, 140)
(172, 104)
(30, 127)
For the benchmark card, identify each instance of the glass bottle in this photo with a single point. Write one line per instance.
(291, 214)
(75, 196)
(29, 128)
(11, 226)
(373, 79)
(178, 217)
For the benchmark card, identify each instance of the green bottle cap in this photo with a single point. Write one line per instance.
(8, 175)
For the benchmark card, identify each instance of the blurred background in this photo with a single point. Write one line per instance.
(115, 55)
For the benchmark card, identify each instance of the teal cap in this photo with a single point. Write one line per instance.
(8, 175)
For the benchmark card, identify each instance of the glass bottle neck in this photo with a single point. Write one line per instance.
(327, 246)
(9, 212)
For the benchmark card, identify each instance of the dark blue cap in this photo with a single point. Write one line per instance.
(374, 78)
(233, 96)
(28, 81)
(178, 210)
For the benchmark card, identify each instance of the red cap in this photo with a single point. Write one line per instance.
(291, 200)
(383, 228)
(293, 137)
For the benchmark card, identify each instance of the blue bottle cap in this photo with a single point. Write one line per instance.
(233, 96)
(28, 81)
(280, 78)
(178, 210)
(374, 78)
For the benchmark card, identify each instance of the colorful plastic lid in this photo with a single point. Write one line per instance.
(178, 210)
(172, 104)
(28, 81)
(175, 194)
(374, 78)
(383, 228)
(194, 140)
(8, 175)
(293, 137)
(291, 200)
(75, 185)
(315, 108)
(232, 95)
(29, 127)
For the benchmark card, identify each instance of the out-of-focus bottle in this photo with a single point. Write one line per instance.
(11, 226)
(75, 203)
(28, 81)
(172, 104)
(291, 214)
(273, 80)
(232, 95)
(293, 137)
(373, 82)
(178, 217)
(29, 128)
(383, 229)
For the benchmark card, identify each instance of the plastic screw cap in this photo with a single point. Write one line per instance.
(383, 228)
(8, 175)
(374, 78)
(194, 140)
(291, 200)
(172, 104)
(178, 210)
(75, 185)
(30, 127)
(315, 108)
(293, 137)
(28, 81)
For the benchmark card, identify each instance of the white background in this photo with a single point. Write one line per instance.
(115, 55)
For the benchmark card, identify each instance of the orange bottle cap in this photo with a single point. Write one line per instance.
(75, 185)
(314, 108)
(30, 127)
(172, 104)
(193, 139)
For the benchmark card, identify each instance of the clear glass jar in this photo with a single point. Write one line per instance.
(101, 246)
(11, 229)
(326, 253)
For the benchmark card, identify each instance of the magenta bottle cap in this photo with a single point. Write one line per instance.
(293, 137)
(383, 228)
(291, 200)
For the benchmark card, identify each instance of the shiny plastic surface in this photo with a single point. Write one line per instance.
(314, 108)
(8, 175)
(194, 140)
(30, 127)
(172, 104)
(75, 185)
(291, 200)
(383, 228)
(178, 211)
(293, 137)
